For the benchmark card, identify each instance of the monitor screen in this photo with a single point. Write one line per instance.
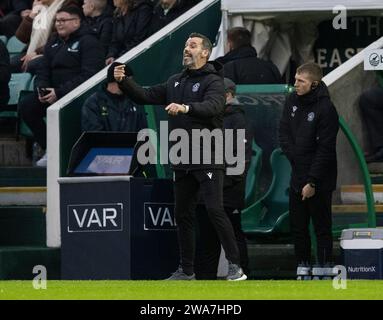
(104, 161)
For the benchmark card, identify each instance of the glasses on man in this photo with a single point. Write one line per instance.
(60, 21)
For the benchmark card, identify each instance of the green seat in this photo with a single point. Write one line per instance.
(4, 39)
(15, 46)
(253, 175)
(268, 217)
(23, 129)
(19, 82)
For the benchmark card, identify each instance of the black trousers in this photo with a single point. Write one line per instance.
(209, 247)
(371, 106)
(318, 208)
(188, 186)
(32, 111)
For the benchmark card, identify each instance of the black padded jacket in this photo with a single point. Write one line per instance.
(307, 135)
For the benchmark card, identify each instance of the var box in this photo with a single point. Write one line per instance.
(117, 227)
(362, 252)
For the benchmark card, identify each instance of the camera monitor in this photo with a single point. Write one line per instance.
(104, 153)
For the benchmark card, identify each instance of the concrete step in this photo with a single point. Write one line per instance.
(21, 226)
(376, 178)
(23, 177)
(13, 152)
(375, 167)
(17, 262)
(355, 194)
(21, 196)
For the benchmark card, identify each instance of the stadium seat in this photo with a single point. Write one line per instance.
(19, 82)
(253, 175)
(4, 39)
(15, 46)
(269, 215)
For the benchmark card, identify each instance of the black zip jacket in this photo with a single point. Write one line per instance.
(244, 67)
(203, 90)
(307, 135)
(102, 26)
(131, 29)
(67, 64)
(105, 111)
(235, 185)
(160, 19)
(5, 75)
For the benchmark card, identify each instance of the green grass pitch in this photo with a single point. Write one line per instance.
(191, 290)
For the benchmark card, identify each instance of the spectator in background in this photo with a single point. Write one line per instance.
(11, 13)
(98, 17)
(371, 107)
(5, 75)
(166, 11)
(241, 63)
(110, 110)
(131, 25)
(70, 58)
(35, 30)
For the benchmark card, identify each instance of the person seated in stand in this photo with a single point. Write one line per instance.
(35, 29)
(166, 11)
(11, 14)
(5, 75)
(98, 17)
(110, 110)
(70, 58)
(131, 26)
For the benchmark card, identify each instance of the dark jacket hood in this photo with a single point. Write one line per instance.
(239, 53)
(321, 91)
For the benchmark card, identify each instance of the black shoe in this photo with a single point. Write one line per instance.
(376, 157)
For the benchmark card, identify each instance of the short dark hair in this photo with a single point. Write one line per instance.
(72, 10)
(312, 69)
(239, 37)
(206, 43)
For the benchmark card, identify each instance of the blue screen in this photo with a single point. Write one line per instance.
(106, 161)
